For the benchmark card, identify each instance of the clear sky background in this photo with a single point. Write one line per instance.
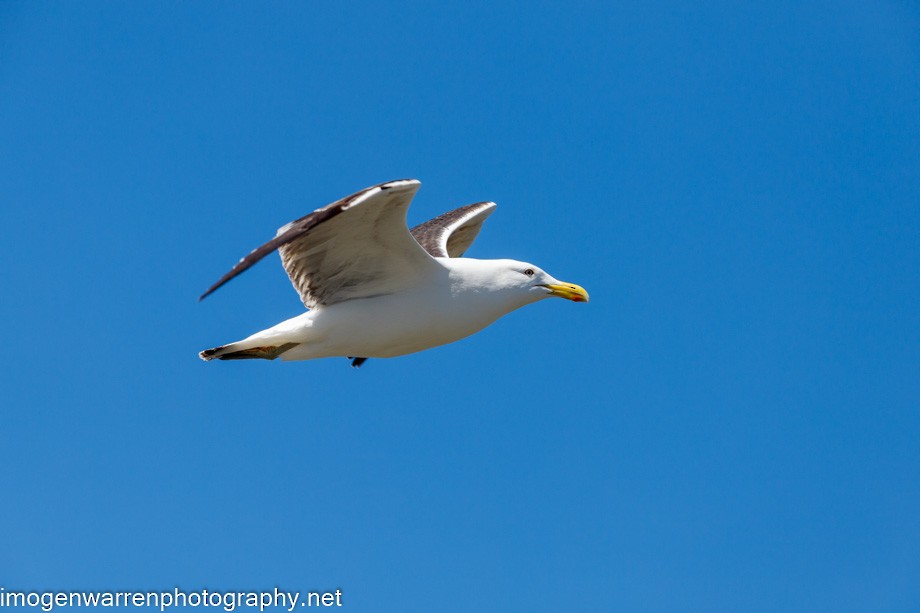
(732, 423)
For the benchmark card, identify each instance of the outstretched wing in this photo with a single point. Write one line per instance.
(356, 247)
(451, 234)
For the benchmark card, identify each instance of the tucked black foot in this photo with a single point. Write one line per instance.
(357, 362)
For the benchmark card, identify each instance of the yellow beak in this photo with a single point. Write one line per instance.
(569, 291)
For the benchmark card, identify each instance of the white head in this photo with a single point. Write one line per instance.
(521, 282)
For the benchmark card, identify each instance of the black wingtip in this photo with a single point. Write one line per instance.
(211, 289)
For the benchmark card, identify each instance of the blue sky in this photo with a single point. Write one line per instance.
(731, 424)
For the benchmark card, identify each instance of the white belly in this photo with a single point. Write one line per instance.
(393, 325)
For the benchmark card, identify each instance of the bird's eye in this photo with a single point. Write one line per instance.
(529, 272)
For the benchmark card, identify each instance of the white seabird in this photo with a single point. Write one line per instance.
(376, 289)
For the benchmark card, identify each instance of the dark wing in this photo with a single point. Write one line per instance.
(356, 247)
(451, 234)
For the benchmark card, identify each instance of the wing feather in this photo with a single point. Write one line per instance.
(356, 247)
(451, 234)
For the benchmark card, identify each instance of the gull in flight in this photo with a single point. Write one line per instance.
(376, 289)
